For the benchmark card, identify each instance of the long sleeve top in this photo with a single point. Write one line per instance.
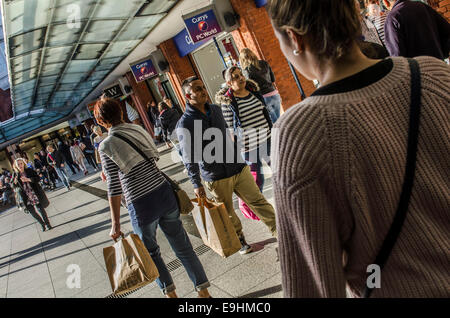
(338, 159)
(406, 36)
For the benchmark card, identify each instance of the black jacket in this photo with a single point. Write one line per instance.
(264, 77)
(169, 119)
(57, 157)
(19, 189)
(193, 159)
(414, 29)
(38, 164)
(65, 151)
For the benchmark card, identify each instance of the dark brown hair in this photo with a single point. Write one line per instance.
(329, 26)
(108, 111)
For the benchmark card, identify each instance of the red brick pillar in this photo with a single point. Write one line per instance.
(141, 96)
(180, 68)
(443, 7)
(257, 34)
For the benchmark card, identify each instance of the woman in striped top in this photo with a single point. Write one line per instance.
(149, 197)
(377, 18)
(245, 112)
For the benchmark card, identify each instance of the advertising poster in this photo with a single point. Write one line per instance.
(143, 70)
(202, 26)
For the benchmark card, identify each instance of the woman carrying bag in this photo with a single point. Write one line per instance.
(150, 198)
(31, 196)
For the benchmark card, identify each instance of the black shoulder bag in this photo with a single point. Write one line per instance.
(413, 136)
(184, 203)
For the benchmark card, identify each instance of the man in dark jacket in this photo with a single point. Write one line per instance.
(217, 162)
(65, 151)
(89, 151)
(414, 29)
(153, 115)
(51, 171)
(41, 167)
(56, 159)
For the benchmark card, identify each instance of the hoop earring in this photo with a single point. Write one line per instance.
(296, 52)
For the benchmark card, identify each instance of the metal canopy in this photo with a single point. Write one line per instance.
(58, 51)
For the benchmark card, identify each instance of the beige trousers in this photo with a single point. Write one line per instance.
(244, 185)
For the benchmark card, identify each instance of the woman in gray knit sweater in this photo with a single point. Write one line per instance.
(339, 159)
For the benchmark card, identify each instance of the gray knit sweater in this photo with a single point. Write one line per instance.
(339, 162)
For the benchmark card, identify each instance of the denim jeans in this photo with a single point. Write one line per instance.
(62, 174)
(173, 229)
(273, 104)
(254, 159)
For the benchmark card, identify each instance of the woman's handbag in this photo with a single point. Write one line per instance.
(184, 203)
(129, 264)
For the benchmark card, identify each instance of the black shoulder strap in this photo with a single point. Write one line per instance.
(413, 136)
(139, 151)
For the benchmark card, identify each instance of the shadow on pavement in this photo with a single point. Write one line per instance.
(258, 246)
(62, 239)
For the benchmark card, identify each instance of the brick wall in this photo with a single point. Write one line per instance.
(179, 68)
(141, 96)
(443, 7)
(257, 34)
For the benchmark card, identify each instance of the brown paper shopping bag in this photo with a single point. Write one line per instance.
(215, 227)
(129, 264)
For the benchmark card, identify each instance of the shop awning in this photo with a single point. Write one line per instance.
(58, 51)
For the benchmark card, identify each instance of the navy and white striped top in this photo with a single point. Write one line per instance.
(254, 124)
(142, 179)
(378, 22)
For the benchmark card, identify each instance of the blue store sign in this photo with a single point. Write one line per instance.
(184, 43)
(202, 26)
(143, 70)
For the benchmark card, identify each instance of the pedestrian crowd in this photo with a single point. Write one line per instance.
(338, 157)
(26, 186)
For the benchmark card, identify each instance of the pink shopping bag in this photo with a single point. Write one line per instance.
(246, 211)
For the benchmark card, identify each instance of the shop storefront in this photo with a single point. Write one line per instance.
(242, 24)
(212, 50)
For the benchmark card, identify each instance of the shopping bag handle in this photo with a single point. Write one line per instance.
(122, 235)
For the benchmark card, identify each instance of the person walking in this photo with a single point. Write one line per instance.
(99, 137)
(150, 198)
(377, 18)
(339, 161)
(261, 73)
(153, 114)
(168, 117)
(33, 198)
(223, 172)
(50, 170)
(78, 156)
(41, 167)
(406, 37)
(245, 113)
(88, 151)
(64, 149)
(56, 160)
(7, 195)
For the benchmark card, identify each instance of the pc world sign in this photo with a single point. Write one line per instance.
(202, 25)
(143, 70)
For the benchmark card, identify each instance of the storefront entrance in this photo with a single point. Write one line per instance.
(161, 88)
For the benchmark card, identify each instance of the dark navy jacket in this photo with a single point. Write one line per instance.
(193, 145)
(414, 29)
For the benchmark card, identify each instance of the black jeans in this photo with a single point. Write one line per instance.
(72, 165)
(37, 209)
(91, 159)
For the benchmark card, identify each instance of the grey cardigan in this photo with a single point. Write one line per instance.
(121, 153)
